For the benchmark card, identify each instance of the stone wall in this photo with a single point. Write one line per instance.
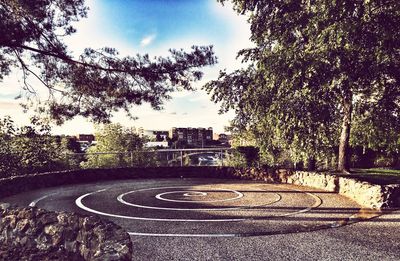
(36, 234)
(366, 193)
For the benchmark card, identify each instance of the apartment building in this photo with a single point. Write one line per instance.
(192, 136)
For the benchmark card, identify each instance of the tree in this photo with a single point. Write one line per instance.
(313, 64)
(117, 146)
(95, 83)
(8, 161)
(30, 149)
(379, 132)
(159, 138)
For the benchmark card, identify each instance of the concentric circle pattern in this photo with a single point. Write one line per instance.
(216, 209)
(212, 195)
(198, 219)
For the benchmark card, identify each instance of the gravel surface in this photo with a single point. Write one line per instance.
(214, 219)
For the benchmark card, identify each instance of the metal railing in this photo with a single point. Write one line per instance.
(147, 158)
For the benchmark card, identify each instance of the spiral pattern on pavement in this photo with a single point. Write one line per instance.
(226, 209)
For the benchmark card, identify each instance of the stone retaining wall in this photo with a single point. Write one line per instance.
(369, 194)
(37, 234)
(365, 193)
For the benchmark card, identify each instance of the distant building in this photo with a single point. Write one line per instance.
(89, 138)
(215, 136)
(85, 141)
(179, 134)
(162, 134)
(224, 139)
(192, 136)
(158, 135)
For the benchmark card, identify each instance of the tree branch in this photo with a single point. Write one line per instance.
(70, 60)
(25, 67)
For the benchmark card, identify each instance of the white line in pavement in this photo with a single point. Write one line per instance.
(195, 194)
(181, 235)
(160, 196)
(317, 203)
(278, 197)
(79, 203)
(120, 199)
(33, 203)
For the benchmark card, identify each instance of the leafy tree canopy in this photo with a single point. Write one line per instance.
(317, 64)
(116, 138)
(95, 83)
(31, 148)
(117, 146)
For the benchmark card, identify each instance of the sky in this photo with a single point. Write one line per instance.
(153, 27)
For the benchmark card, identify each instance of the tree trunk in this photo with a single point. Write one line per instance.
(396, 160)
(311, 164)
(343, 160)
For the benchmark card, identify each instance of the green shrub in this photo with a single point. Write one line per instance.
(247, 155)
(30, 149)
(382, 160)
(118, 147)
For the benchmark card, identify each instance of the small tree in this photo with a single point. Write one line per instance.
(117, 147)
(30, 149)
(8, 159)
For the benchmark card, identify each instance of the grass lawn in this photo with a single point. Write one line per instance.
(377, 171)
(378, 175)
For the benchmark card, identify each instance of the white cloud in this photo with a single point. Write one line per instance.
(13, 109)
(10, 85)
(239, 35)
(147, 40)
(8, 106)
(180, 94)
(78, 125)
(96, 31)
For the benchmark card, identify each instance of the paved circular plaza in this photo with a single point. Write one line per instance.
(201, 207)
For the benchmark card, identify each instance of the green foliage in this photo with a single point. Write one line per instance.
(235, 159)
(244, 156)
(383, 161)
(316, 65)
(250, 154)
(30, 149)
(8, 161)
(377, 132)
(379, 171)
(118, 147)
(95, 83)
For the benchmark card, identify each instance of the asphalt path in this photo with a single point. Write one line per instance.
(216, 219)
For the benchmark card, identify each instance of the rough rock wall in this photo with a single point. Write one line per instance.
(317, 180)
(365, 193)
(37, 234)
(368, 194)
